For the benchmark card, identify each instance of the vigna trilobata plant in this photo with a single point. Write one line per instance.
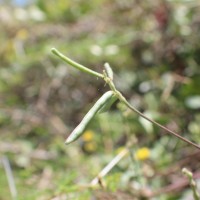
(107, 100)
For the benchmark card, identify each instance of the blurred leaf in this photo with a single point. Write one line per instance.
(193, 102)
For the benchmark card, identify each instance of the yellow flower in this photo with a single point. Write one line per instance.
(88, 136)
(142, 153)
(90, 147)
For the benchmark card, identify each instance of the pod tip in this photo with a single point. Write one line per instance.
(53, 50)
(68, 141)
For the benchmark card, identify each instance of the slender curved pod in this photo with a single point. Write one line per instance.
(78, 131)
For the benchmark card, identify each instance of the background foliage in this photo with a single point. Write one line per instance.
(153, 48)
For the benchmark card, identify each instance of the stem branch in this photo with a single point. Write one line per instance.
(75, 64)
(123, 100)
(157, 124)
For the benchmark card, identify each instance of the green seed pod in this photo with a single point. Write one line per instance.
(79, 130)
(108, 70)
(108, 104)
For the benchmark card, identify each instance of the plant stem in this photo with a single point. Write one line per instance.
(123, 100)
(110, 165)
(10, 177)
(192, 183)
(75, 64)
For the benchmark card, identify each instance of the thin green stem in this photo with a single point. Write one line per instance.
(109, 81)
(123, 100)
(156, 123)
(75, 64)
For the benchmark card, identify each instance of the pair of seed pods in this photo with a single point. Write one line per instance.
(102, 105)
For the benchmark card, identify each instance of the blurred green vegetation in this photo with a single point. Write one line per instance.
(153, 48)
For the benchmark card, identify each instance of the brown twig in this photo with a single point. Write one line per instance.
(171, 188)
